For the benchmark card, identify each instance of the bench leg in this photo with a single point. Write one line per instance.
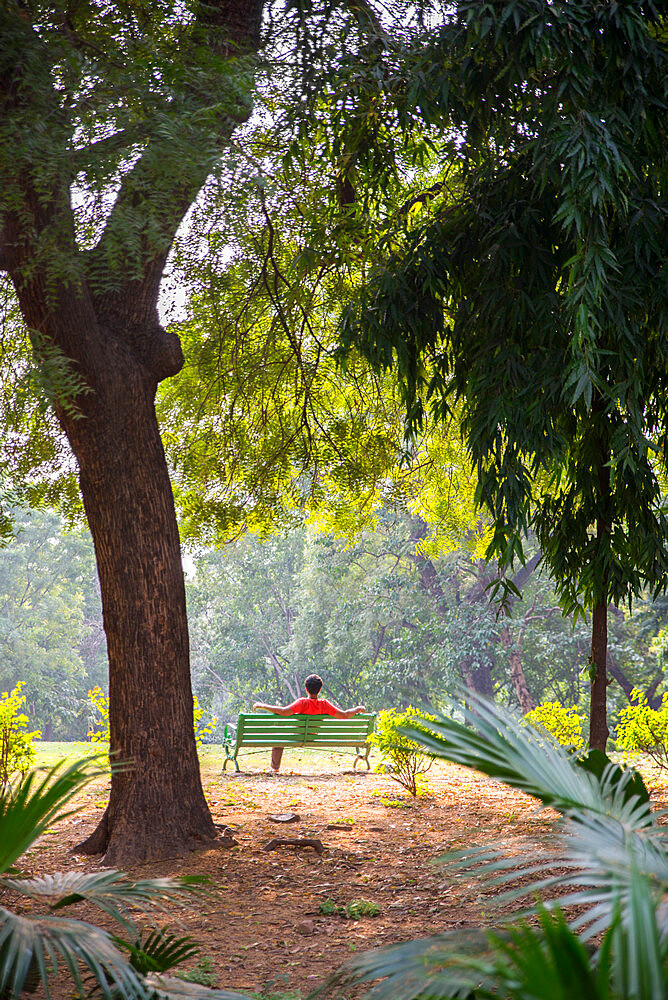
(232, 758)
(362, 756)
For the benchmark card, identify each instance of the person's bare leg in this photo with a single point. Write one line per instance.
(276, 757)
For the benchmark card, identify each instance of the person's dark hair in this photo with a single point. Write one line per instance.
(313, 683)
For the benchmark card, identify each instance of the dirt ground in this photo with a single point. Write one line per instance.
(262, 929)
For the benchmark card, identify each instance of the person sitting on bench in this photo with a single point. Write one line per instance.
(313, 705)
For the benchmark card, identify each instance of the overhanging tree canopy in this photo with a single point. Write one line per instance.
(548, 254)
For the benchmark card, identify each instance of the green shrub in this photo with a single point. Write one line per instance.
(642, 729)
(564, 724)
(402, 759)
(330, 907)
(362, 908)
(100, 703)
(17, 750)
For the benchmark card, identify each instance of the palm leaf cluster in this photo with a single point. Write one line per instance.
(35, 948)
(600, 930)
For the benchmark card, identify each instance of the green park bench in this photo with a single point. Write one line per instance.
(265, 730)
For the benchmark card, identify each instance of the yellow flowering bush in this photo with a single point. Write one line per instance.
(564, 724)
(100, 702)
(17, 751)
(642, 729)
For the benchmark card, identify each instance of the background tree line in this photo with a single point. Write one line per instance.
(383, 617)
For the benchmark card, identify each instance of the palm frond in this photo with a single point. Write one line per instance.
(36, 946)
(440, 967)
(37, 801)
(493, 740)
(591, 867)
(610, 860)
(545, 962)
(109, 890)
(608, 835)
(638, 949)
(171, 988)
(158, 952)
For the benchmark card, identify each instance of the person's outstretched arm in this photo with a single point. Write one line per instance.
(347, 713)
(276, 709)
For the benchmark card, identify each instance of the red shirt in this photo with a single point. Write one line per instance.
(312, 706)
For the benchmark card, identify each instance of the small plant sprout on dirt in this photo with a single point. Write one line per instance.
(354, 910)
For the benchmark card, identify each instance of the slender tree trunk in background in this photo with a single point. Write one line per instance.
(653, 700)
(517, 677)
(277, 678)
(477, 677)
(519, 680)
(482, 680)
(598, 712)
(598, 724)
(615, 671)
(627, 687)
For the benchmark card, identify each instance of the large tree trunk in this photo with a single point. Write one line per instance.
(157, 807)
(98, 308)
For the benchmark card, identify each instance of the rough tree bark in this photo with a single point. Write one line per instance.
(514, 648)
(120, 352)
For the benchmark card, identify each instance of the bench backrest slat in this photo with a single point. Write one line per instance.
(266, 729)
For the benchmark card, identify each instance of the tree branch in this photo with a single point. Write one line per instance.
(523, 574)
(158, 191)
(35, 204)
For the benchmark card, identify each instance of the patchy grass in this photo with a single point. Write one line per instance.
(212, 757)
(49, 754)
